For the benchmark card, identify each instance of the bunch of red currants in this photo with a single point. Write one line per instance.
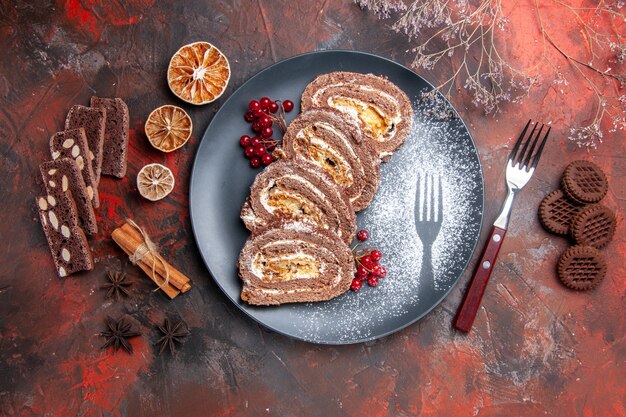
(367, 267)
(263, 114)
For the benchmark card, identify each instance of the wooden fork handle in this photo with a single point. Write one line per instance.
(474, 294)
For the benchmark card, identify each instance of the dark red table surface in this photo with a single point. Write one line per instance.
(536, 349)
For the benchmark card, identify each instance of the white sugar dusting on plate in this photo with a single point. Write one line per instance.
(437, 147)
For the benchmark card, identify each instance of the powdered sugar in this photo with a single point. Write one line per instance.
(441, 148)
(302, 227)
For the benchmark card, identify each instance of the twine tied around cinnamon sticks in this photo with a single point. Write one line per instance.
(147, 248)
(144, 253)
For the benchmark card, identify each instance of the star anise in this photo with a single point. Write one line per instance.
(117, 334)
(117, 284)
(171, 334)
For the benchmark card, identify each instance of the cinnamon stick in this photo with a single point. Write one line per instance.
(168, 289)
(129, 239)
(133, 239)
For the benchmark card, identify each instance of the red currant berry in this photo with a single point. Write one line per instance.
(356, 284)
(376, 255)
(256, 126)
(259, 150)
(254, 105)
(244, 141)
(376, 270)
(271, 145)
(288, 105)
(362, 235)
(265, 102)
(367, 262)
(372, 280)
(249, 151)
(266, 132)
(265, 121)
(361, 272)
(266, 159)
(273, 107)
(249, 116)
(255, 162)
(258, 114)
(256, 141)
(381, 271)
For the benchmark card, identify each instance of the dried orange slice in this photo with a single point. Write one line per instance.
(155, 181)
(198, 73)
(168, 128)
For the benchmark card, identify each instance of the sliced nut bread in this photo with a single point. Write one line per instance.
(115, 135)
(93, 121)
(63, 174)
(73, 144)
(67, 241)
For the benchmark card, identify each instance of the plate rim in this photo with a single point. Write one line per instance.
(283, 333)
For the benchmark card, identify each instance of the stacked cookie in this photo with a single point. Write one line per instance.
(575, 210)
(301, 209)
(94, 142)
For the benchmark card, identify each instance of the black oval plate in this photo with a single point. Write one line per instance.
(221, 179)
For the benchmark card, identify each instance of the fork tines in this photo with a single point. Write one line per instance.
(430, 197)
(523, 158)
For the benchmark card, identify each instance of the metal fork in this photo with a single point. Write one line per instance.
(520, 167)
(428, 223)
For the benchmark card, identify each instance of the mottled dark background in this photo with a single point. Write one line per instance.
(536, 348)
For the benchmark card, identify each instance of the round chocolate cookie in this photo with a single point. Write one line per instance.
(593, 225)
(556, 212)
(581, 267)
(584, 182)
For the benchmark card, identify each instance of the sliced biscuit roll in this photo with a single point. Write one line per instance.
(383, 110)
(333, 141)
(294, 262)
(68, 243)
(298, 190)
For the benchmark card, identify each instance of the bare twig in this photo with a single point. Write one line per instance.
(470, 30)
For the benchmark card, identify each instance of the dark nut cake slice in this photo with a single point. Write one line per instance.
(73, 144)
(115, 147)
(63, 174)
(93, 121)
(67, 241)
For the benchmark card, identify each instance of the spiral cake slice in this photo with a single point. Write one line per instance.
(383, 110)
(332, 140)
(294, 262)
(298, 190)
